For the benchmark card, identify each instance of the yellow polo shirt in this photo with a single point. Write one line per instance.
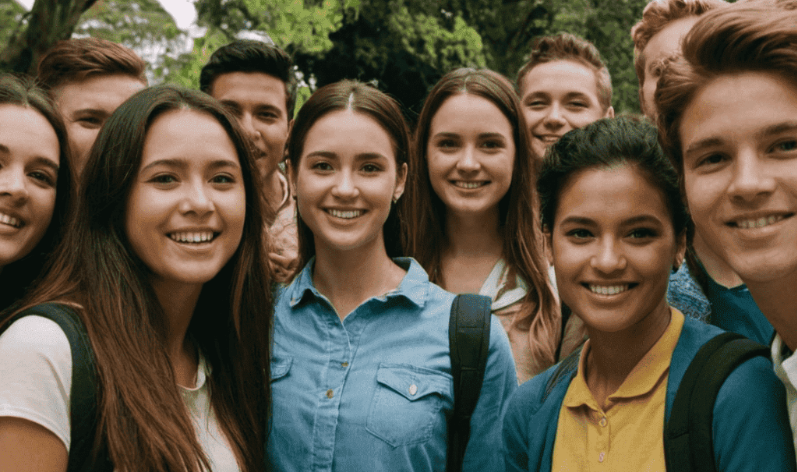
(628, 434)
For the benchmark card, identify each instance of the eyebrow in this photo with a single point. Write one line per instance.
(581, 220)
(716, 141)
(486, 135)
(365, 156)
(38, 160)
(183, 164)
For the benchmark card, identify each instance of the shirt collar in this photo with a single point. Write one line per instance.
(642, 379)
(414, 286)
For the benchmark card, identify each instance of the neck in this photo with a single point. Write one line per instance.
(273, 190)
(178, 302)
(474, 235)
(612, 356)
(348, 278)
(715, 266)
(777, 302)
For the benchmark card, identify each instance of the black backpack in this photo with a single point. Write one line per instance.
(82, 394)
(688, 444)
(469, 344)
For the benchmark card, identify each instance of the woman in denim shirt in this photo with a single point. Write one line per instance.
(361, 373)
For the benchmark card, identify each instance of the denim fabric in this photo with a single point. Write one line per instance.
(373, 393)
(686, 295)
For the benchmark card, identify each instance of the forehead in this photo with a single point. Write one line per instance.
(611, 194)
(667, 42)
(187, 134)
(458, 112)
(561, 78)
(100, 92)
(250, 87)
(25, 130)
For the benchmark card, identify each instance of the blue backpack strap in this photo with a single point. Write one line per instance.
(469, 345)
(83, 394)
(688, 444)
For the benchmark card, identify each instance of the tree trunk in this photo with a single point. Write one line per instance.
(49, 21)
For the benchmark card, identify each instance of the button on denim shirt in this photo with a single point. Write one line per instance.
(373, 392)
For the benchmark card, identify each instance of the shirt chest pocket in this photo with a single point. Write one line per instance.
(407, 403)
(280, 367)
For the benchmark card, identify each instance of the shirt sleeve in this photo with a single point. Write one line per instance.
(751, 429)
(36, 368)
(500, 381)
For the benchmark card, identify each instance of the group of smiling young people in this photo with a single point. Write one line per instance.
(239, 316)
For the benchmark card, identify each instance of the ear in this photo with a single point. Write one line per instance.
(609, 112)
(401, 181)
(547, 243)
(680, 252)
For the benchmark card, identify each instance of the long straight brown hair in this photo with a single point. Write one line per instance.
(522, 245)
(141, 416)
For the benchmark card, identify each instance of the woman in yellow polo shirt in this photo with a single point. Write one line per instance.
(616, 226)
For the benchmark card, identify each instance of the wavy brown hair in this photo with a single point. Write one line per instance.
(142, 419)
(425, 237)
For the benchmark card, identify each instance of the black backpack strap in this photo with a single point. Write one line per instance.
(688, 444)
(469, 344)
(83, 393)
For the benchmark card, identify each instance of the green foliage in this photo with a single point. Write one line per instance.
(11, 19)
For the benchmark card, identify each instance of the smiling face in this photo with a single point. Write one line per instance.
(612, 247)
(257, 101)
(740, 172)
(185, 213)
(471, 154)
(345, 182)
(29, 161)
(557, 97)
(85, 105)
(661, 48)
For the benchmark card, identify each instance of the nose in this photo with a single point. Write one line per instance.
(467, 161)
(345, 187)
(554, 119)
(13, 184)
(750, 180)
(197, 199)
(609, 258)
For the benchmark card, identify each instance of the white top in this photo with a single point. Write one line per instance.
(786, 370)
(36, 368)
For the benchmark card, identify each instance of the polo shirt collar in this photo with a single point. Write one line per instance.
(642, 379)
(414, 286)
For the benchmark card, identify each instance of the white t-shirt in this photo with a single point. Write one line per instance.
(786, 370)
(36, 373)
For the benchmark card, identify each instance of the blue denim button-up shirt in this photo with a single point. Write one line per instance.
(373, 392)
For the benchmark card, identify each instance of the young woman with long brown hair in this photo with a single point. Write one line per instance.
(472, 217)
(362, 372)
(165, 265)
(35, 184)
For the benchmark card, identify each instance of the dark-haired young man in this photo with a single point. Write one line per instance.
(88, 78)
(256, 82)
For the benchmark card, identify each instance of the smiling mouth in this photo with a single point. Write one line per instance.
(345, 214)
(10, 221)
(548, 140)
(198, 237)
(758, 222)
(609, 289)
(469, 184)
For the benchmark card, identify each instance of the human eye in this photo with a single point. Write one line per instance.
(370, 168)
(709, 161)
(447, 144)
(322, 166)
(787, 145)
(91, 122)
(579, 233)
(266, 115)
(493, 144)
(223, 179)
(163, 179)
(642, 233)
(42, 177)
(536, 103)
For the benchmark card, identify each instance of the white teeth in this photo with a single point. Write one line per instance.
(758, 223)
(348, 214)
(608, 289)
(198, 237)
(469, 185)
(5, 219)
